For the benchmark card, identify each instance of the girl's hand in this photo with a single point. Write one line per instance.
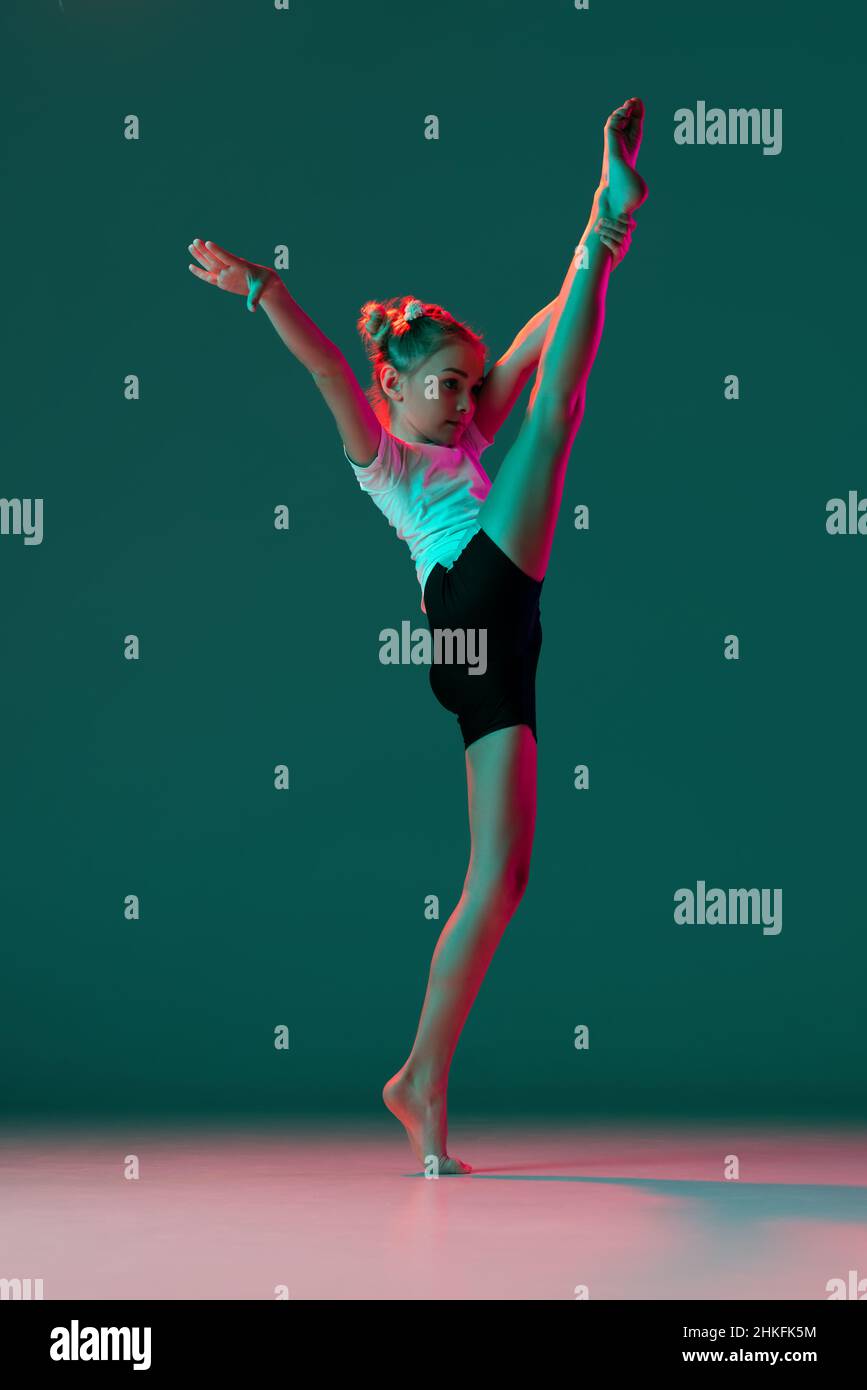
(231, 273)
(616, 234)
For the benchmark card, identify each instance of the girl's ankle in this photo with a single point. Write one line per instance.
(601, 202)
(425, 1084)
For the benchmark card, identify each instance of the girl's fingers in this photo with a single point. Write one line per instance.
(220, 254)
(209, 262)
(617, 248)
(619, 224)
(211, 277)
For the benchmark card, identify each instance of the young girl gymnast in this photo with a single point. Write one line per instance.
(480, 550)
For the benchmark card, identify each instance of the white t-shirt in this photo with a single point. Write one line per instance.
(430, 493)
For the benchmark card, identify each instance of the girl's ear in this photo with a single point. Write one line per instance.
(389, 380)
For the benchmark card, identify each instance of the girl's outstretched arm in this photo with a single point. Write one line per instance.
(298, 331)
(353, 414)
(352, 411)
(262, 285)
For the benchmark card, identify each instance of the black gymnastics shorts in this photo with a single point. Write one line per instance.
(485, 589)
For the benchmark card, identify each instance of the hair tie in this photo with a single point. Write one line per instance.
(413, 310)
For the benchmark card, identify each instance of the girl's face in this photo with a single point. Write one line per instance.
(436, 403)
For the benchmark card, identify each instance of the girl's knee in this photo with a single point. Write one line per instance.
(500, 885)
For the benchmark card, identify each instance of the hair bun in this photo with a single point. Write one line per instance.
(373, 319)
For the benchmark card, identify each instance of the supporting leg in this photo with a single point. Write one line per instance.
(501, 776)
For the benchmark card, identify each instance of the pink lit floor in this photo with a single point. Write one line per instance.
(343, 1212)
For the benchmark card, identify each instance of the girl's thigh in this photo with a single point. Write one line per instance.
(521, 509)
(501, 785)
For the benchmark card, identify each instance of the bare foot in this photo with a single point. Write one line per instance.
(623, 189)
(423, 1116)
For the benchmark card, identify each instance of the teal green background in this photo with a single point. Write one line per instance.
(155, 777)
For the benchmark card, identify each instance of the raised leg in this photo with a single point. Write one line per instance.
(521, 509)
(501, 786)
